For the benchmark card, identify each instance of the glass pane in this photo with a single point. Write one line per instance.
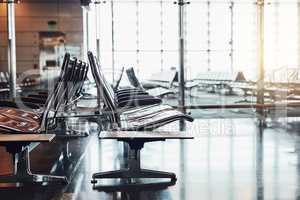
(125, 26)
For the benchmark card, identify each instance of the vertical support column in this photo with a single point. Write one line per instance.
(97, 10)
(97, 20)
(261, 70)
(161, 36)
(12, 63)
(298, 27)
(181, 5)
(208, 36)
(85, 20)
(137, 34)
(113, 40)
(231, 35)
(276, 42)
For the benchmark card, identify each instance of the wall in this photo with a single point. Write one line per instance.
(32, 16)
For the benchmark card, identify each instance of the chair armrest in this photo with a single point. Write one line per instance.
(126, 94)
(136, 97)
(139, 102)
(129, 90)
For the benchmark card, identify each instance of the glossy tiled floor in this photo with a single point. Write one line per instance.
(228, 159)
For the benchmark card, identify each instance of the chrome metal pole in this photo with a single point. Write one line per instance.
(298, 18)
(11, 47)
(97, 8)
(113, 39)
(261, 70)
(208, 36)
(231, 7)
(181, 77)
(85, 33)
(181, 56)
(97, 20)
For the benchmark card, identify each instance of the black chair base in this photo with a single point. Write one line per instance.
(134, 170)
(134, 186)
(29, 178)
(132, 174)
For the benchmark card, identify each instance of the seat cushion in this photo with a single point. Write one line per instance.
(151, 118)
(134, 97)
(120, 95)
(139, 101)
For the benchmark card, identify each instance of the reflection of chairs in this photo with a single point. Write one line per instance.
(22, 82)
(74, 89)
(25, 124)
(136, 119)
(73, 85)
(164, 79)
(17, 120)
(118, 81)
(155, 91)
(125, 98)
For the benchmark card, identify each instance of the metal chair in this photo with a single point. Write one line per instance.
(139, 118)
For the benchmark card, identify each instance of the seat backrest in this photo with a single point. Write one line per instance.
(70, 83)
(116, 86)
(55, 99)
(103, 86)
(83, 78)
(164, 76)
(65, 63)
(71, 80)
(65, 84)
(76, 84)
(134, 81)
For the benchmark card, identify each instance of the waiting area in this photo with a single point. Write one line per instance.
(149, 99)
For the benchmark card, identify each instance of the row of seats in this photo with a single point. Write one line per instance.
(36, 121)
(272, 90)
(24, 81)
(126, 109)
(139, 112)
(24, 125)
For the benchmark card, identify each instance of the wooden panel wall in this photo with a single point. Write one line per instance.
(32, 16)
(6, 162)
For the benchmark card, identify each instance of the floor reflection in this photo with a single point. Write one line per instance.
(228, 159)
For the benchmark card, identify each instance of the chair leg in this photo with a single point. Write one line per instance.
(110, 174)
(128, 174)
(22, 173)
(134, 170)
(146, 173)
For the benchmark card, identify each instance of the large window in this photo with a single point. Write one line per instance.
(220, 36)
(139, 34)
(281, 37)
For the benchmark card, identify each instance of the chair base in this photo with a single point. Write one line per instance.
(129, 180)
(32, 178)
(23, 175)
(133, 186)
(134, 170)
(128, 174)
